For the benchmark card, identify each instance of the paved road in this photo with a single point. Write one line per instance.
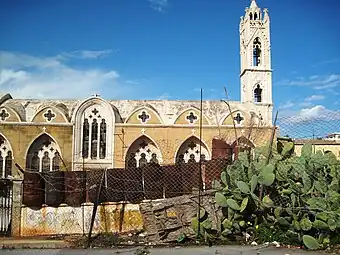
(229, 250)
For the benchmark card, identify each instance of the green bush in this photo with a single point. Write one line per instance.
(286, 198)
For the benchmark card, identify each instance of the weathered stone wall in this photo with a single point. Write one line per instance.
(67, 220)
(165, 220)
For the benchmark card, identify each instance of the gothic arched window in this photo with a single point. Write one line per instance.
(251, 16)
(94, 135)
(256, 52)
(5, 158)
(258, 94)
(141, 152)
(86, 138)
(255, 16)
(102, 146)
(192, 150)
(43, 155)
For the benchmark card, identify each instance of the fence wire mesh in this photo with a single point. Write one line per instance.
(297, 178)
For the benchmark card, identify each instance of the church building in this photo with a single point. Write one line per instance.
(97, 133)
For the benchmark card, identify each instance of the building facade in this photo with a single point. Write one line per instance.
(95, 133)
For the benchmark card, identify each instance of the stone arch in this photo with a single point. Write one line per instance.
(228, 118)
(258, 93)
(41, 114)
(94, 125)
(244, 144)
(152, 116)
(142, 151)
(8, 114)
(190, 116)
(43, 154)
(4, 98)
(257, 52)
(188, 151)
(6, 157)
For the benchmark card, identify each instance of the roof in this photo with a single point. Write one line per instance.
(253, 4)
(316, 142)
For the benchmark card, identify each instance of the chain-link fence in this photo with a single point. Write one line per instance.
(299, 173)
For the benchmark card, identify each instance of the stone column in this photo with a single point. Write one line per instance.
(16, 206)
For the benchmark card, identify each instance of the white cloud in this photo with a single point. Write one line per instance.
(315, 98)
(317, 82)
(159, 5)
(87, 54)
(317, 112)
(26, 76)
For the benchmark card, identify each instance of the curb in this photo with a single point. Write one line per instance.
(35, 245)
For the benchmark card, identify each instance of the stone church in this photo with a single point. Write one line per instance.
(97, 133)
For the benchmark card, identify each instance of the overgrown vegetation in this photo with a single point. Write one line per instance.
(278, 196)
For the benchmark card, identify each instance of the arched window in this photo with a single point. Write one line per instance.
(43, 155)
(141, 152)
(5, 158)
(255, 16)
(94, 121)
(258, 94)
(256, 52)
(250, 16)
(94, 135)
(189, 151)
(242, 144)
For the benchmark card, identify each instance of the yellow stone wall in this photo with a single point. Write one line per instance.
(335, 148)
(20, 137)
(167, 138)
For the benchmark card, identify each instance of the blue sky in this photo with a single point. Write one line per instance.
(153, 49)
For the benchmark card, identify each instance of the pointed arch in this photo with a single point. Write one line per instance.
(244, 144)
(43, 154)
(238, 116)
(258, 93)
(94, 125)
(50, 114)
(9, 114)
(190, 116)
(188, 151)
(151, 116)
(142, 151)
(257, 51)
(6, 157)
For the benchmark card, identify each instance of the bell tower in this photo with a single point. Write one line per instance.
(256, 73)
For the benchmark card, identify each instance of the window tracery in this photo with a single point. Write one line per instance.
(94, 140)
(238, 118)
(4, 114)
(5, 158)
(49, 115)
(189, 151)
(144, 117)
(141, 152)
(43, 155)
(191, 118)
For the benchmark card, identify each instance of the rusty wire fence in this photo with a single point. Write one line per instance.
(112, 200)
(63, 202)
